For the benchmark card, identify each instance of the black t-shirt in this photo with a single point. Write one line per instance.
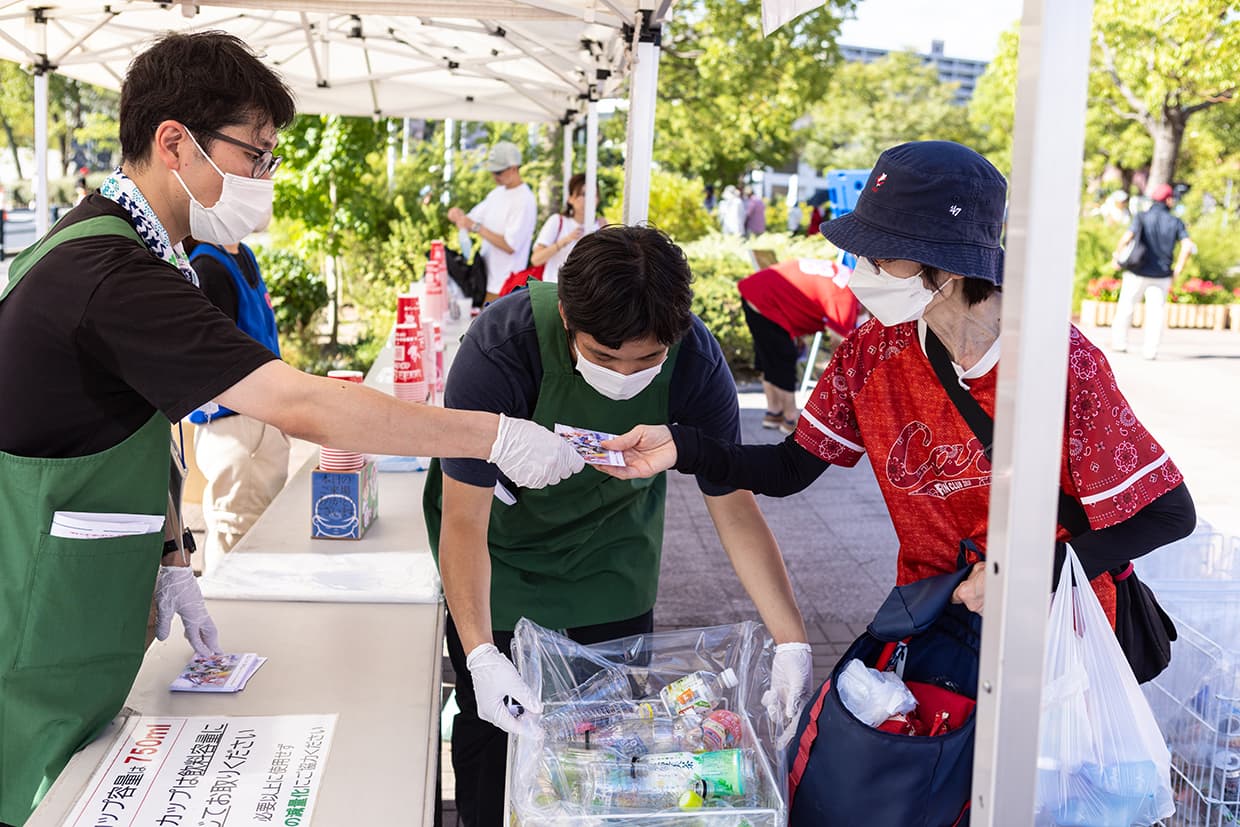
(217, 282)
(499, 369)
(1160, 230)
(99, 335)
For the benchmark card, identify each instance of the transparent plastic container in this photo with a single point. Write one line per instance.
(647, 766)
(1196, 700)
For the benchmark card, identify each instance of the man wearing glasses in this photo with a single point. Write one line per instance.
(109, 340)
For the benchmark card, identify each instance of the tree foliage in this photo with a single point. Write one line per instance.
(82, 123)
(728, 97)
(872, 106)
(1159, 64)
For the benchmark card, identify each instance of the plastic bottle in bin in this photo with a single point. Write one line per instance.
(634, 737)
(571, 721)
(700, 691)
(608, 684)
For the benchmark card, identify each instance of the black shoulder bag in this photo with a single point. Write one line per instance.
(1142, 627)
(1133, 255)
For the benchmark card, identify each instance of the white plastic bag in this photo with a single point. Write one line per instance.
(1102, 761)
(873, 696)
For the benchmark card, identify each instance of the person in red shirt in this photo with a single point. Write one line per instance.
(794, 298)
(927, 235)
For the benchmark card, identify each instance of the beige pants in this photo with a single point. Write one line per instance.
(245, 463)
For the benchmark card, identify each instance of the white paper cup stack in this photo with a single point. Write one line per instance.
(408, 372)
(331, 459)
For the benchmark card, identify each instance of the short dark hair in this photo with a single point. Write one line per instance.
(976, 290)
(577, 182)
(206, 80)
(622, 283)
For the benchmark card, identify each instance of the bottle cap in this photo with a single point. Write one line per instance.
(728, 678)
(691, 800)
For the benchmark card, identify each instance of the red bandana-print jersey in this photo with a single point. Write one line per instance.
(880, 395)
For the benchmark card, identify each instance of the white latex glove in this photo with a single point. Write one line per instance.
(177, 592)
(791, 674)
(494, 679)
(531, 456)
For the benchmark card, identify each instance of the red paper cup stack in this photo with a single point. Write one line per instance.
(409, 375)
(428, 360)
(332, 459)
(408, 309)
(436, 281)
(355, 376)
(437, 349)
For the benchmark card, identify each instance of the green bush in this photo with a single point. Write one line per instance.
(677, 206)
(1095, 242)
(298, 296)
(1218, 252)
(297, 289)
(718, 263)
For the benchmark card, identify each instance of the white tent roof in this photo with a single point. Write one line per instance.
(506, 60)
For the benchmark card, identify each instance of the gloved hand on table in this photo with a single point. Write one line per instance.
(177, 592)
(531, 456)
(495, 678)
(791, 674)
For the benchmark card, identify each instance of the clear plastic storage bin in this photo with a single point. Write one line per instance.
(1197, 699)
(658, 729)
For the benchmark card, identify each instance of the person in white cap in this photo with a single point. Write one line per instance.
(504, 219)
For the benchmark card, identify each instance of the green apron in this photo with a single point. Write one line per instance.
(73, 613)
(586, 550)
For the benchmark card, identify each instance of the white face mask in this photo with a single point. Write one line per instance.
(890, 299)
(244, 207)
(613, 385)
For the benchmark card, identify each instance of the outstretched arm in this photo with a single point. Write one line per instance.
(775, 470)
(760, 567)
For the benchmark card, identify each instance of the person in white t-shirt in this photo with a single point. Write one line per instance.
(560, 232)
(505, 218)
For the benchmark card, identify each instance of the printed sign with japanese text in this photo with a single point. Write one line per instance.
(209, 772)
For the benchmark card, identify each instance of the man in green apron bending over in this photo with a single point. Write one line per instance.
(616, 346)
(106, 339)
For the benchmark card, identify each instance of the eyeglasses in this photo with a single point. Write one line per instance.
(265, 163)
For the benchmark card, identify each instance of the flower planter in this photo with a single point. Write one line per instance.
(1096, 313)
(1197, 316)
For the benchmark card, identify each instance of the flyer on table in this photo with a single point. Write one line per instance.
(210, 770)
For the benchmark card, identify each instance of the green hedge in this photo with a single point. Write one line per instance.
(718, 263)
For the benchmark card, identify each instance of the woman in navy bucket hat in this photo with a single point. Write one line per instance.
(928, 235)
(934, 202)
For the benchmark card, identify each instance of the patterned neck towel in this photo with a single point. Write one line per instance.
(120, 188)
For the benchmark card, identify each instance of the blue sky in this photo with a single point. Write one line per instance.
(968, 28)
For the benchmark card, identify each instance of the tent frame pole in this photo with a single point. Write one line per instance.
(643, 91)
(1052, 72)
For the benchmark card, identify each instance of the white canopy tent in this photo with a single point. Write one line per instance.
(488, 60)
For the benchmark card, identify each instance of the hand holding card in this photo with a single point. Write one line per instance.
(587, 443)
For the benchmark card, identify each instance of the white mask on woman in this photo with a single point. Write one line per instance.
(244, 207)
(615, 385)
(890, 299)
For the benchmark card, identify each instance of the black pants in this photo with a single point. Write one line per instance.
(774, 350)
(480, 750)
